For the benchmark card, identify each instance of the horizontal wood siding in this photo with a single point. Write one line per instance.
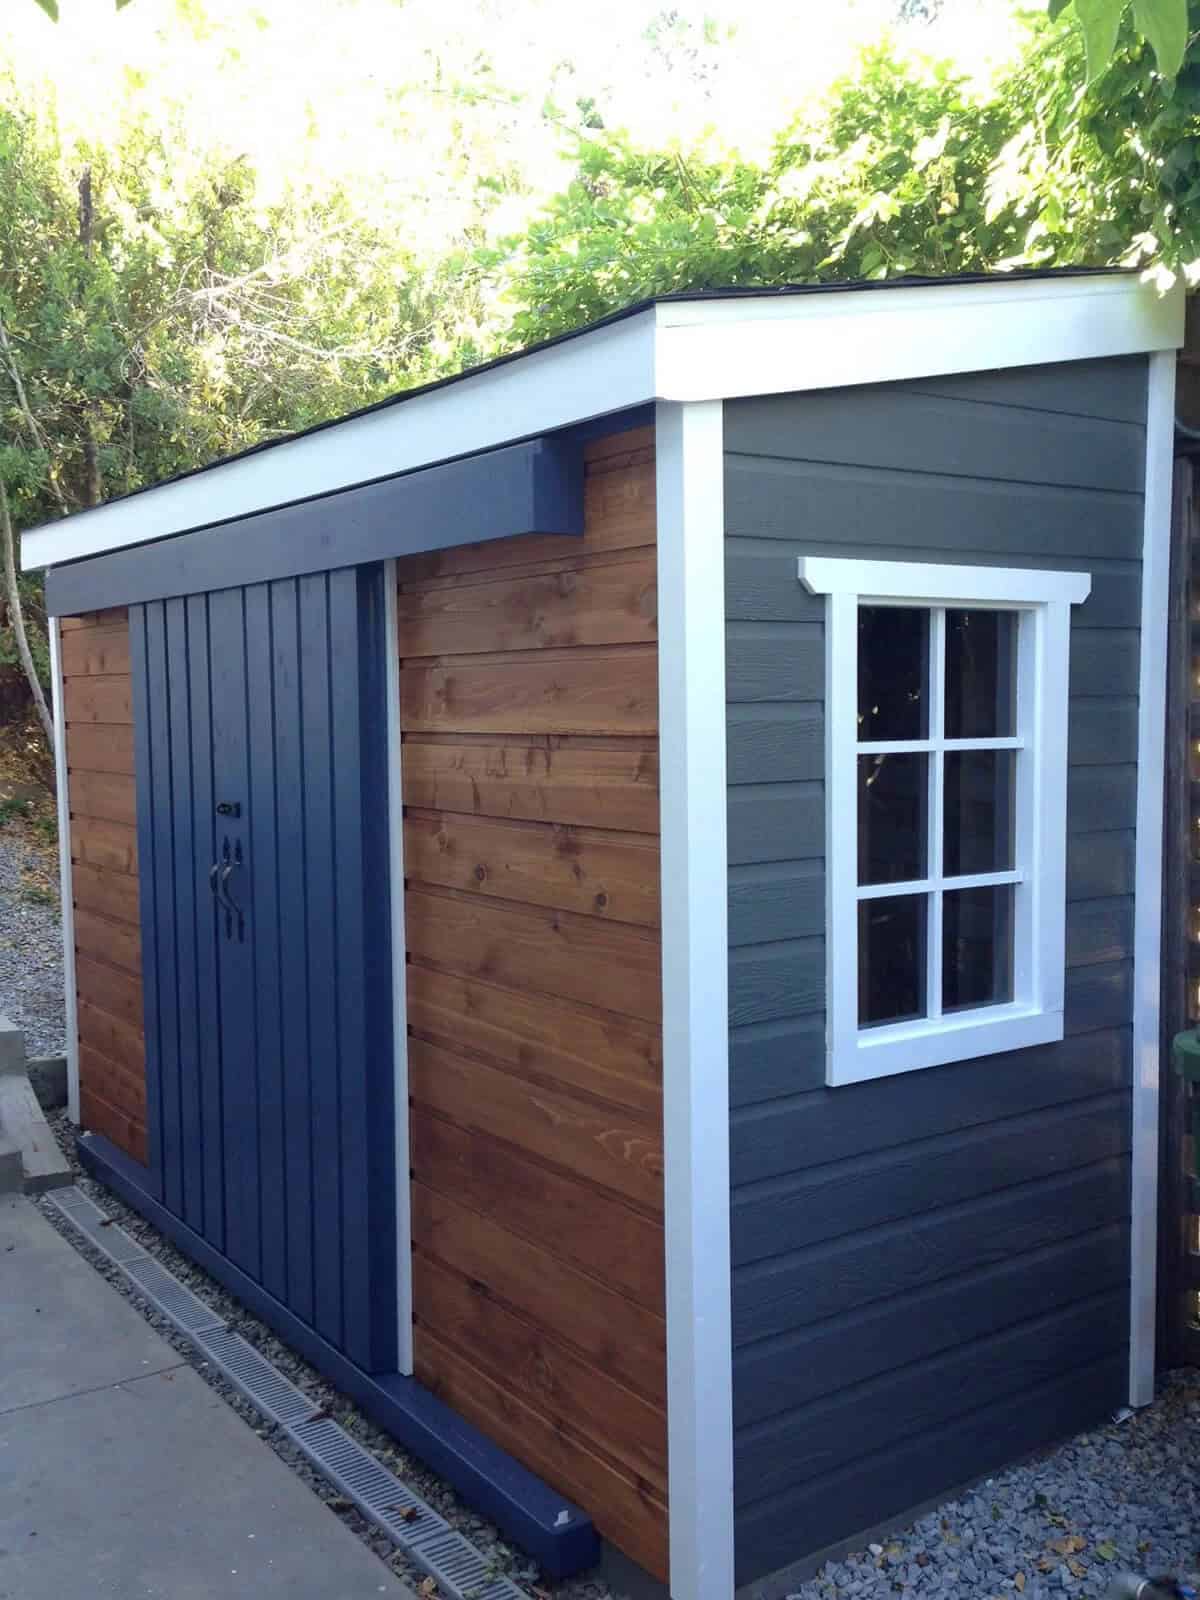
(930, 1270)
(98, 702)
(528, 688)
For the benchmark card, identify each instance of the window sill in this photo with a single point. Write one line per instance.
(911, 1046)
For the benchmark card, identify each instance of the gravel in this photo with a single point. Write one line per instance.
(1125, 1497)
(31, 978)
(484, 1534)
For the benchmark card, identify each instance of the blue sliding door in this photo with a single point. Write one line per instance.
(263, 857)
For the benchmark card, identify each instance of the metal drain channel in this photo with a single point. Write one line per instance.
(425, 1537)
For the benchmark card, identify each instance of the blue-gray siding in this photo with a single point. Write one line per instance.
(930, 1271)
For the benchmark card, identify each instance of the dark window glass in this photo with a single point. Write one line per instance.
(891, 958)
(977, 947)
(979, 798)
(981, 674)
(893, 673)
(892, 804)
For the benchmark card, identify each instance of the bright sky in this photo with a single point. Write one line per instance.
(367, 78)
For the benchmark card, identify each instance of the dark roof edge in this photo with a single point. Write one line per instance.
(745, 292)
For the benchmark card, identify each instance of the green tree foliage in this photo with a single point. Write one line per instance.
(907, 169)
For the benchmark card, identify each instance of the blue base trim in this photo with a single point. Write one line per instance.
(527, 1510)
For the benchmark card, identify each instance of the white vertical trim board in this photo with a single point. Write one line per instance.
(695, 960)
(1148, 871)
(404, 1307)
(63, 798)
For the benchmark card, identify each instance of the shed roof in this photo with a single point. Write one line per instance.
(691, 345)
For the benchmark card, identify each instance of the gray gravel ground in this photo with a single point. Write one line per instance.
(31, 980)
(1124, 1497)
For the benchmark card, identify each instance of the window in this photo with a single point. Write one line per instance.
(946, 766)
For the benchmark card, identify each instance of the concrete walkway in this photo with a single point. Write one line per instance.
(122, 1474)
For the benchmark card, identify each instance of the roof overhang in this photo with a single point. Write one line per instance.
(681, 349)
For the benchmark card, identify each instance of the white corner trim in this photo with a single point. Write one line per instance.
(936, 582)
(685, 350)
(403, 1159)
(695, 958)
(66, 894)
(1148, 870)
(828, 341)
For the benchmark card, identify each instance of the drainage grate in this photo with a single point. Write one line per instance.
(186, 1310)
(427, 1538)
(254, 1375)
(113, 1241)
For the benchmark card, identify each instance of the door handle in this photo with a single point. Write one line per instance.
(232, 908)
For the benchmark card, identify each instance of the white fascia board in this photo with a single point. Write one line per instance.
(722, 349)
(607, 370)
(687, 350)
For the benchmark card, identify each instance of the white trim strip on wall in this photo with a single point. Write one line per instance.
(683, 350)
(695, 960)
(403, 1162)
(1148, 871)
(62, 795)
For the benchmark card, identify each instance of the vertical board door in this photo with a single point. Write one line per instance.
(262, 832)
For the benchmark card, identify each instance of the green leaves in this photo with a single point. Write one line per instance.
(1100, 21)
(1163, 23)
(50, 7)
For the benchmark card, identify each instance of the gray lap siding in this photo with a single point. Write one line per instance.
(930, 1271)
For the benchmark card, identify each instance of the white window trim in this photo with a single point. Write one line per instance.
(1035, 1016)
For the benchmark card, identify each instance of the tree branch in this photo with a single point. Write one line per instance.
(17, 617)
(31, 422)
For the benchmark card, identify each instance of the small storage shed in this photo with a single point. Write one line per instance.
(615, 900)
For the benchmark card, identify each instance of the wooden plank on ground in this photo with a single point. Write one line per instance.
(548, 1374)
(589, 871)
(585, 691)
(538, 780)
(601, 605)
(619, 1336)
(629, 1514)
(549, 952)
(588, 1140)
(599, 1051)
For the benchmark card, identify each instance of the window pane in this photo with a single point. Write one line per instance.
(979, 800)
(981, 674)
(891, 958)
(893, 673)
(977, 947)
(892, 803)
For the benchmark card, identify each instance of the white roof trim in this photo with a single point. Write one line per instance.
(684, 350)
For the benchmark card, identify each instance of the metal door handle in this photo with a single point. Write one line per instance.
(232, 909)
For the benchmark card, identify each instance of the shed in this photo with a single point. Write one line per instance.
(615, 900)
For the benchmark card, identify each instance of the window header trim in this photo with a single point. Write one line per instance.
(964, 586)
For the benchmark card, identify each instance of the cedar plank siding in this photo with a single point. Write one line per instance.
(97, 698)
(528, 686)
(930, 1271)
